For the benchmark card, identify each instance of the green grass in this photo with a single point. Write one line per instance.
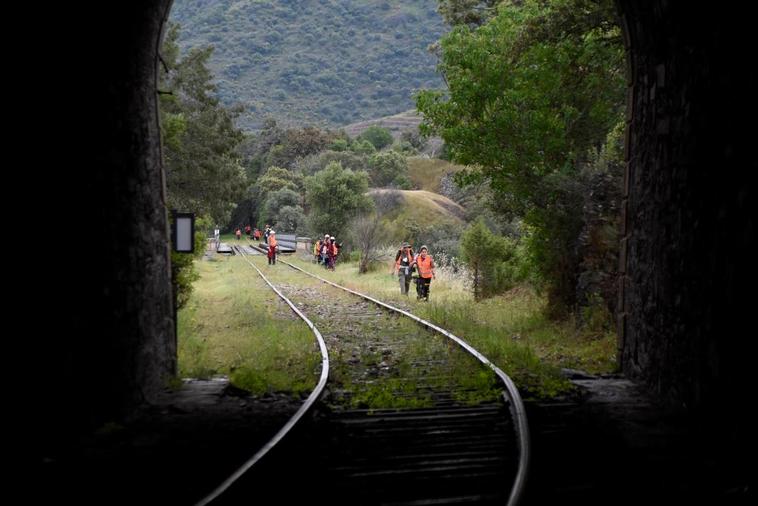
(511, 330)
(232, 326)
(423, 207)
(427, 173)
(363, 376)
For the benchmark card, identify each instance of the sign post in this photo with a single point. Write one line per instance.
(183, 232)
(183, 241)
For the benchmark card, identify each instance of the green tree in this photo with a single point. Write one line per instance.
(289, 219)
(362, 147)
(297, 143)
(276, 178)
(203, 167)
(489, 257)
(271, 182)
(278, 199)
(530, 93)
(201, 160)
(467, 12)
(335, 196)
(386, 167)
(378, 136)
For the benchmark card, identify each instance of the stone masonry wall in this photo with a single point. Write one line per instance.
(688, 223)
(108, 306)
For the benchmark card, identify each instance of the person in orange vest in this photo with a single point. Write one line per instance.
(331, 253)
(272, 248)
(238, 233)
(317, 251)
(403, 267)
(324, 251)
(425, 265)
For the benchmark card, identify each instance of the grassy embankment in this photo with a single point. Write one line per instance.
(234, 325)
(511, 329)
(427, 173)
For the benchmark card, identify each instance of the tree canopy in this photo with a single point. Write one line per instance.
(531, 93)
(335, 196)
(203, 170)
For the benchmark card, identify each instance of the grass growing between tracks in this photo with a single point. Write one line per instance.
(511, 329)
(235, 325)
(381, 360)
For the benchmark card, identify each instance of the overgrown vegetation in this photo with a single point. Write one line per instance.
(534, 88)
(511, 329)
(233, 325)
(524, 224)
(202, 166)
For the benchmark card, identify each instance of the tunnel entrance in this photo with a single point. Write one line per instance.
(687, 252)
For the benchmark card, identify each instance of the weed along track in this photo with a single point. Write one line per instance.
(407, 415)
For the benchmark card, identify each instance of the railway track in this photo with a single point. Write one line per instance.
(440, 438)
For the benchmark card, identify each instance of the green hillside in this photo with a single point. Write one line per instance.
(320, 62)
(427, 173)
(423, 208)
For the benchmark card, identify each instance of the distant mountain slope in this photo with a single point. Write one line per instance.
(320, 62)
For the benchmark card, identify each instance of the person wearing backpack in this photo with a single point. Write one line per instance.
(403, 267)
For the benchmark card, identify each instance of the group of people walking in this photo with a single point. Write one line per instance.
(405, 265)
(253, 233)
(326, 251)
(408, 265)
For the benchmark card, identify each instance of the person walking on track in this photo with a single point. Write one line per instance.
(403, 267)
(331, 253)
(317, 251)
(272, 248)
(324, 252)
(425, 264)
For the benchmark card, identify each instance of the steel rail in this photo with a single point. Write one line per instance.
(304, 408)
(511, 394)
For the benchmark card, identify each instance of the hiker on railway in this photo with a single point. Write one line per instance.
(331, 254)
(317, 251)
(425, 264)
(266, 232)
(324, 251)
(248, 230)
(272, 245)
(403, 266)
(238, 233)
(257, 234)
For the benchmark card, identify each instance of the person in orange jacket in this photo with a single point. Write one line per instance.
(272, 248)
(317, 251)
(425, 265)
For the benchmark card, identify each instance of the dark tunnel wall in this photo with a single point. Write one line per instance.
(688, 223)
(687, 253)
(108, 314)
